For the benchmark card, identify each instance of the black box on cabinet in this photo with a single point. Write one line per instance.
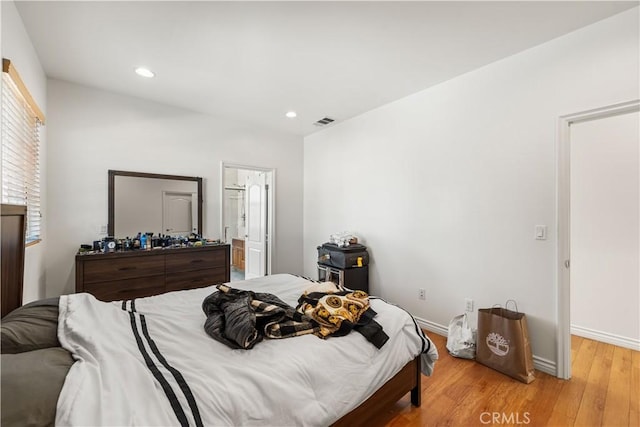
(352, 256)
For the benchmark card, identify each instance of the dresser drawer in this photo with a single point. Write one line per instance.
(195, 279)
(136, 274)
(117, 290)
(196, 260)
(103, 270)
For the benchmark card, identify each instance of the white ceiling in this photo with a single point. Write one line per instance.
(254, 61)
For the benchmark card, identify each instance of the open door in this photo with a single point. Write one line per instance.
(255, 246)
(609, 236)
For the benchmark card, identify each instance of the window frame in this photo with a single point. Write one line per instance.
(26, 119)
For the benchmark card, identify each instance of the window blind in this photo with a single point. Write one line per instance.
(20, 151)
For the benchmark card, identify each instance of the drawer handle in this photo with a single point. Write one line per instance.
(195, 261)
(126, 268)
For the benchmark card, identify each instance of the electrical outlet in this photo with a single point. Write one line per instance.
(468, 304)
(103, 229)
(422, 293)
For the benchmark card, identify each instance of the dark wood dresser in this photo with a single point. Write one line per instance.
(136, 274)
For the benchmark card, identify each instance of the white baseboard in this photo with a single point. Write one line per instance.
(541, 364)
(545, 365)
(606, 337)
(436, 328)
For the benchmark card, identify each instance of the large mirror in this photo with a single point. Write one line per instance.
(147, 202)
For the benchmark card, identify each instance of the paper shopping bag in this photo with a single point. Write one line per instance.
(503, 343)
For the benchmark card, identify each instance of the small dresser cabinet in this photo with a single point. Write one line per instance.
(136, 274)
(237, 250)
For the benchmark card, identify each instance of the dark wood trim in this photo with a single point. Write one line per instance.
(153, 175)
(408, 379)
(13, 210)
(200, 204)
(111, 209)
(416, 391)
(111, 194)
(13, 230)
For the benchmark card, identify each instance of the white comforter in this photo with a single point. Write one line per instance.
(189, 378)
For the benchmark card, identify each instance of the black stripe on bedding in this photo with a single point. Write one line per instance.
(426, 344)
(124, 305)
(306, 278)
(173, 399)
(176, 374)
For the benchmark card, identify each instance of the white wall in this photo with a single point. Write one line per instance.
(17, 47)
(92, 131)
(605, 229)
(445, 186)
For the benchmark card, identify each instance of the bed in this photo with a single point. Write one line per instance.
(148, 361)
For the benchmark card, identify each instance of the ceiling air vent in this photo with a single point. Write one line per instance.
(324, 121)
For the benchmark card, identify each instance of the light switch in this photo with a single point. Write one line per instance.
(541, 232)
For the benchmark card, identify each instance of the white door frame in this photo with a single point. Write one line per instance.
(563, 332)
(271, 207)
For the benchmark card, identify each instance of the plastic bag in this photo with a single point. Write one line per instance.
(461, 339)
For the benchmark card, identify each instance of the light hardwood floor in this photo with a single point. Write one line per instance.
(603, 391)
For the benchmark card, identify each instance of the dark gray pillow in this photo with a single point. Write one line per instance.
(31, 383)
(30, 327)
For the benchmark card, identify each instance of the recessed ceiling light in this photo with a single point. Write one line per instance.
(291, 114)
(144, 72)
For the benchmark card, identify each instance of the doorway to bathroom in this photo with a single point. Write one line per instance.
(247, 218)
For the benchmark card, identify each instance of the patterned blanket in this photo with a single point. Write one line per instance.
(240, 319)
(338, 312)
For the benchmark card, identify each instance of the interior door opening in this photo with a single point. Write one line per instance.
(247, 219)
(598, 229)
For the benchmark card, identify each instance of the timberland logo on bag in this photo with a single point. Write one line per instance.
(497, 344)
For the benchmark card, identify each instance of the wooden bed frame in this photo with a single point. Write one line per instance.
(405, 381)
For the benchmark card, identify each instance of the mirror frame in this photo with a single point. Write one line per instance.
(112, 194)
